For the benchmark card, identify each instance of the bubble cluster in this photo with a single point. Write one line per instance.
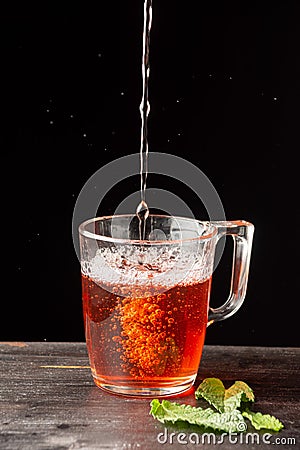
(147, 345)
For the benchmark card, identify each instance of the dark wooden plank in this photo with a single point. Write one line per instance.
(61, 408)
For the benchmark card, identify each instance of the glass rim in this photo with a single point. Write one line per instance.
(101, 237)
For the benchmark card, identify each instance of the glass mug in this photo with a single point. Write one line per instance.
(146, 302)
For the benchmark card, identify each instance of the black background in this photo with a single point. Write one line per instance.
(224, 94)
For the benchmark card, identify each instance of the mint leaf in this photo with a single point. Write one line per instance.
(259, 421)
(155, 408)
(237, 393)
(167, 411)
(224, 400)
(213, 391)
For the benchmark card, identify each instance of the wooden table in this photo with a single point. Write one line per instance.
(59, 407)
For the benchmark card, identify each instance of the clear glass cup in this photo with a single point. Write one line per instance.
(146, 302)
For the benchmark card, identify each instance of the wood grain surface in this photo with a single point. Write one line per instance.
(48, 400)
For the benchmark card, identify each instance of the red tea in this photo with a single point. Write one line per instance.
(145, 340)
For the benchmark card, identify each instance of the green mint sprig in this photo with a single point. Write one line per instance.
(231, 406)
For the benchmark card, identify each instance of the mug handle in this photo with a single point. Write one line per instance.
(242, 234)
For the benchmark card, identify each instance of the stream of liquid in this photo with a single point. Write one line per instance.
(142, 210)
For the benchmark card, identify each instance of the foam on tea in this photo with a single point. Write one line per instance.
(120, 269)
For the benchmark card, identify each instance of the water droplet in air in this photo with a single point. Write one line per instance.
(142, 211)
